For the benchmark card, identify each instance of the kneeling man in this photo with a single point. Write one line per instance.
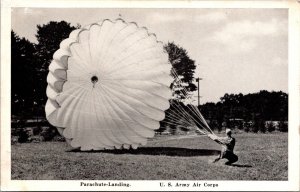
(228, 144)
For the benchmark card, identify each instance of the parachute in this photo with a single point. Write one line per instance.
(109, 86)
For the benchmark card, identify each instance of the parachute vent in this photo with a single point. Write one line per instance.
(94, 80)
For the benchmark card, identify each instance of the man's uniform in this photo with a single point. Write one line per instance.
(228, 144)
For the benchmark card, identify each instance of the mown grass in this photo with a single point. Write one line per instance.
(261, 157)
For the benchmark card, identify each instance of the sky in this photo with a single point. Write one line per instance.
(235, 50)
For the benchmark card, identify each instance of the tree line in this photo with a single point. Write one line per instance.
(261, 111)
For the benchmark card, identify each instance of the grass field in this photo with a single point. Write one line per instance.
(261, 157)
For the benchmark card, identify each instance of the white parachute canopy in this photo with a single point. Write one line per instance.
(108, 86)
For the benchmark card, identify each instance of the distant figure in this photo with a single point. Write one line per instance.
(228, 144)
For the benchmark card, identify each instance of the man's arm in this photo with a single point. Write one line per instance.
(220, 140)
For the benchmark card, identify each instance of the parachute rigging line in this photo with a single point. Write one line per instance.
(181, 116)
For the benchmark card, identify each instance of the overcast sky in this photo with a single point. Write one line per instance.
(236, 50)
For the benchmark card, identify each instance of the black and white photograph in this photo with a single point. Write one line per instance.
(189, 98)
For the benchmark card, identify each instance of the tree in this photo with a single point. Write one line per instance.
(283, 126)
(49, 37)
(246, 127)
(262, 126)
(270, 126)
(184, 67)
(22, 75)
(23, 135)
(255, 127)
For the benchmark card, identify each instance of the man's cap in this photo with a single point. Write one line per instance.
(228, 131)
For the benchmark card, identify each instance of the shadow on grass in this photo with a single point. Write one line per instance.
(239, 165)
(167, 151)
